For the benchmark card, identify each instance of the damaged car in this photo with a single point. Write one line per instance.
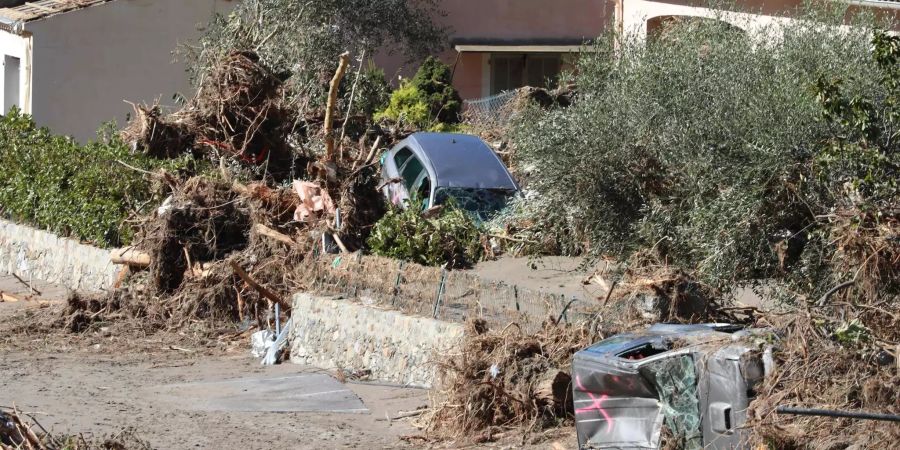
(435, 168)
(690, 383)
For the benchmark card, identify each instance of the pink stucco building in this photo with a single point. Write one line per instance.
(497, 45)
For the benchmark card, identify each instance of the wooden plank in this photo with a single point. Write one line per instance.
(9, 298)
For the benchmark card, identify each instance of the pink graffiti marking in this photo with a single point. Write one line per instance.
(596, 404)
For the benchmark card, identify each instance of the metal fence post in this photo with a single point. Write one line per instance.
(396, 290)
(440, 293)
(566, 308)
(516, 297)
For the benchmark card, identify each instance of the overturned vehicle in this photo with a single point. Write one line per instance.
(687, 383)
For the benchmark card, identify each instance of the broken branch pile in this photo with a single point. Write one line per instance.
(19, 431)
(502, 380)
(239, 113)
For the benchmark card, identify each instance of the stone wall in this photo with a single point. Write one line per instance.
(44, 256)
(332, 333)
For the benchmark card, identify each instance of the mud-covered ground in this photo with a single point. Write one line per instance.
(101, 382)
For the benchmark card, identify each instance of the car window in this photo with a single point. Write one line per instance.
(401, 156)
(411, 171)
(423, 190)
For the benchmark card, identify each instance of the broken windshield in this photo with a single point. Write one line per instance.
(482, 203)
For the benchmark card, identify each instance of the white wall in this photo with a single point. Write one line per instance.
(18, 47)
(636, 13)
(87, 62)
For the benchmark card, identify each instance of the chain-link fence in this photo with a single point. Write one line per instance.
(489, 109)
(441, 294)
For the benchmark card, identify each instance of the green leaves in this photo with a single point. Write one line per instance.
(706, 145)
(428, 101)
(75, 190)
(451, 238)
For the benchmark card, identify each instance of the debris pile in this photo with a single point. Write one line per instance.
(841, 352)
(497, 381)
(239, 113)
(190, 246)
(500, 381)
(19, 431)
(227, 246)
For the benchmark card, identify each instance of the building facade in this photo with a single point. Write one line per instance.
(499, 45)
(73, 63)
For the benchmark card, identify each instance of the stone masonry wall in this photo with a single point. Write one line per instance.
(331, 333)
(36, 254)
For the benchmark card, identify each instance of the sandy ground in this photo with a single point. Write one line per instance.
(98, 384)
(567, 276)
(556, 274)
(91, 389)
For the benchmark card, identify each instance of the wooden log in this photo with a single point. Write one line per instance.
(9, 298)
(270, 233)
(130, 256)
(332, 100)
(259, 288)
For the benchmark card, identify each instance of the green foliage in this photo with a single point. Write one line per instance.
(428, 101)
(452, 237)
(703, 146)
(372, 92)
(301, 39)
(852, 333)
(863, 154)
(81, 191)
(408, 106)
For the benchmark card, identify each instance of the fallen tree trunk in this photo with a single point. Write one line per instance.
(553, 389)
(130, 256)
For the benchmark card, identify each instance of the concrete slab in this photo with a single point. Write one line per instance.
(23, 289)
(295, 393)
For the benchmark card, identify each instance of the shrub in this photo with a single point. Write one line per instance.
(373, 91)
(428, 101)
(701, 146)
(452, 237)
(74, 190)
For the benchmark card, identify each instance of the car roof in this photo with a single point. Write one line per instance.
(459, 160)
(696, 333)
